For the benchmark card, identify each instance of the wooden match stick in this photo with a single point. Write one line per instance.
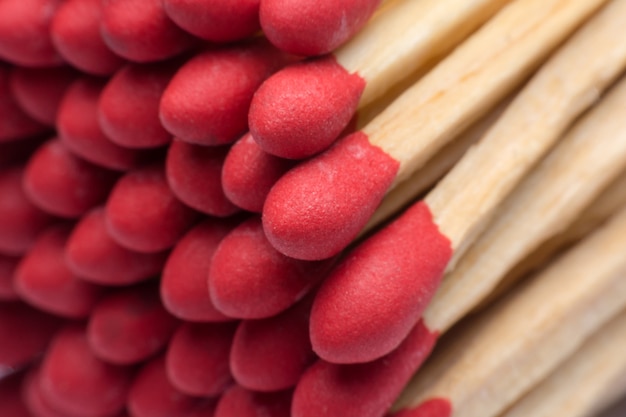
(364, 309)
(301, 110)
(316, 209)
(582, 386)
(518, 341)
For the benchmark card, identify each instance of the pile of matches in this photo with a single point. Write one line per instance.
(275, 208)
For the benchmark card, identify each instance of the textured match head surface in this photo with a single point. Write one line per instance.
(130, 325)
(78, 128)
(217, 20)
(25, 333)
(32, 47)
(8, 264)
(142, 213)
(194, 173)
(39, 90)
(366, 389)
(152, 395)
(197, 358)
(316, 209)
(76, 35)
(92, 254)
(44, 280)
(14, 123)
(436, 407)
(31, 394)
(208, 99)
(240, 402)
(272, 354)
(184, 287)
(302, 109)
(372, 300)
(140, 31)
(64, 185)
(249, 173)
(74, 381)
(248, 278)
(128, 108)
(303, 27)
(20, 220)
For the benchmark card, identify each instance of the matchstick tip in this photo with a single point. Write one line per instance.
(302, 109)
(435, 407)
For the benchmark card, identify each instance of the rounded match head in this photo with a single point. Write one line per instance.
(197, 358)
(8, 264)
(331, 389)
(76, 35)
(303, 108)
(39, 90)
(194, 173)
(15, 124)
(74, 381)
(93, 255)
(31, 395)
(20, 220)
(142, 213)
(152, 395)
(240, 402)
(217, 20)
(308, 28)
(272, 354)
(316, 209)
(250, 279)
(32, 47)
(140, 31)
(130, 325)
(79, 130)
(365, 308)
(25, 332)
(249, 173)
(43, 279)
(208, 99)
(184, 287)
(63, 184)
(128, 108)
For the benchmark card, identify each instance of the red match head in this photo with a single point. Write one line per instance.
(76, 35)
(304, 27)
(78, 128)
(62, 184)
(44, 280)
(315, 210)
(11, 402)
(272, 354)
(39, 90)
(248, 278)
(436, 407)
(8, 264)
(194, 173)
(249, 173)
(364, 390)
(75, 382)
(217, 20)
(184, 287)
(197, 358)
(208, 99)
(140, 31)
(128, 109)
(130, 325)
(302, 109)
(142, 213)
(240, 402)
(32, 47)
(372, 300)
(91, 253)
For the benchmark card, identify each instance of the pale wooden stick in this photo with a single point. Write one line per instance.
(547, 202)
(407, 34)
(515, 343)
(587, 382)
(563, 88)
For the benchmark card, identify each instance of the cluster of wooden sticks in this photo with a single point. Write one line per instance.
(276, 208)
